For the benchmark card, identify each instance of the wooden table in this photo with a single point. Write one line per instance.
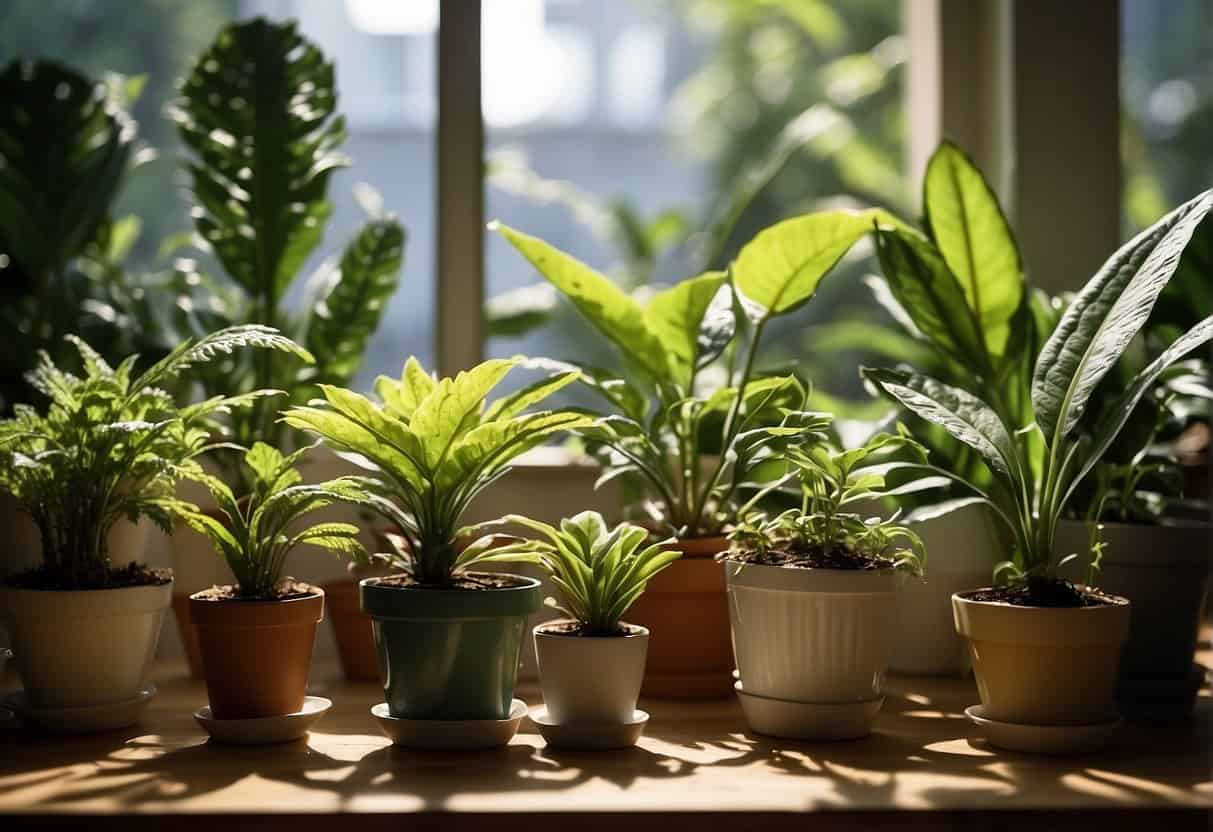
(697, 762)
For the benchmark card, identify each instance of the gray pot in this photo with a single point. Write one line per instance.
(1164, 571)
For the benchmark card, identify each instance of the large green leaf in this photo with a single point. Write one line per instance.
(676, 317)
(605, 305)
(927, 290)
(64, 146)
(778, 271)
(1105, 316)
(963, 415)
(488, 447)
(345, 318)
(257, 111)
(453, 407)
(968, 226)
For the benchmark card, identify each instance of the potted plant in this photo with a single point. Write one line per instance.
(447, 636)
(1046, 650)
(260, 180)
(591, 662)
(256, 636)
(109, 445)
(685, 440)
(811, 593)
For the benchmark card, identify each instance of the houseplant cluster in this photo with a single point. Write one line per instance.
(763, 556)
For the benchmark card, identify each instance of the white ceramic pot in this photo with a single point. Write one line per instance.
(588, 679)
(1164, 572)
(963, 543)
(1044, 665)
(83, 648)
(811, 635)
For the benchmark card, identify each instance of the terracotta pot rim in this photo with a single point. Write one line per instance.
(250, 602)
(236, 614)
(542, 630)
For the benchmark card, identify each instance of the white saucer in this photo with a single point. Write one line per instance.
(808, 720)
(85, 719)
(1043, 739)
(450, 734)
(590, 736)
(264, 730)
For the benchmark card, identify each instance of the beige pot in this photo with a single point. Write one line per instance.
(1042, 665)
(590, 680)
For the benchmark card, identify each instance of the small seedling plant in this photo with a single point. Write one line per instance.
(111, 445)
(432, 446)
(600, 571)
(692, 438)
(827, 528)
(258, 531)
(1091, 337)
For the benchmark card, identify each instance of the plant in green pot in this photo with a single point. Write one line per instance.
(680, 422)
(811, 591)
(447, 636)
(256, 635)
(258, 114)
(109, 445)
(1046, 650)
(591, 662)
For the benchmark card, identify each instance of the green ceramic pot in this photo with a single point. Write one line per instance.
(449, 653)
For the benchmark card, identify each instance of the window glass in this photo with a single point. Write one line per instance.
(624, 132)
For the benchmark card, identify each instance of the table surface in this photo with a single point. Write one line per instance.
(922, 763)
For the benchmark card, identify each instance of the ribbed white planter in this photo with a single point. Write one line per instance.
(963, 543)
(811, 635)
(82, 648)
(1164, 571)
(590, 680)
(1044, 666)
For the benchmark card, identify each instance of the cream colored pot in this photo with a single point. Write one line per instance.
(590, 680)
(1044, 666)
(811, 635)
(83, 648)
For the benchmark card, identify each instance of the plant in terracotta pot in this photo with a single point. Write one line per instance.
(447, 636)
(1046, 650)
(591, 662)
(109, 445)
(256, 636)
(811, 591)
(680, 422)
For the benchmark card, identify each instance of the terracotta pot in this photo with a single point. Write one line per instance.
(687, 614)
(256, 655)
(1044, 665)
(590, 680)
(352, 632)
(80, 648)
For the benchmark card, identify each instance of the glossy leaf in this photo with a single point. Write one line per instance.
(676, 317)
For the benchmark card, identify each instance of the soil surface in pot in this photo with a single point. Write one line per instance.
(1043, 592)
(469, 581)
(102, 577)
(288, 589)
(803, 558)
(578, 630)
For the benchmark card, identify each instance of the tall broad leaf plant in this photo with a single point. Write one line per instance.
(112, 445)
(258, 113)
(694, 443)
(1091, 336)
(432, 446)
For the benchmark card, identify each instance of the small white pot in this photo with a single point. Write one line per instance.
(811, 635)
(589, 679)
(962, 541)
(82, 648)
(1164, 572)
(1044, 665)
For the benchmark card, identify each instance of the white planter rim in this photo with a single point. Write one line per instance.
(87, 603)
(999, 621)
(761, 576)
(544, 630)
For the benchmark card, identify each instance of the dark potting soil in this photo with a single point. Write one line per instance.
(288, 589)
(469, 581)
(1043, 592)
(811, 559)
(102, 577)
(576, 629)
